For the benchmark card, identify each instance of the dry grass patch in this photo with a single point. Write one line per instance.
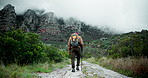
(129, 66)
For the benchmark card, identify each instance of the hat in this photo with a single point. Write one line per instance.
(76, 32)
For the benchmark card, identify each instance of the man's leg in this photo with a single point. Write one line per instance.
(73, 61)
(78, 59)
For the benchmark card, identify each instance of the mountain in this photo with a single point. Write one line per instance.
(7, 18)
(50, 27)
(30, 22)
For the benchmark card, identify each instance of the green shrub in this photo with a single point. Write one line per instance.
(54, 54)
(133, 45)
(20, 47)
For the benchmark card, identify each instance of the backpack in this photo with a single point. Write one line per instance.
(74, 42)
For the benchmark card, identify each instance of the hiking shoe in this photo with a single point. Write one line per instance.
(73, 70)
(77, 68)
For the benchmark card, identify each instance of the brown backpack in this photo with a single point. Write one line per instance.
(74, 42)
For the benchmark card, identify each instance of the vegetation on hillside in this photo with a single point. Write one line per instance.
(130, 44)
(126, 53)
(21, 47)
(124, 45)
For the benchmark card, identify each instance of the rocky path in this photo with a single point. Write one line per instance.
(89, 71)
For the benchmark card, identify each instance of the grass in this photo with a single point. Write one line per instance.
(134, 67)
(16, 71)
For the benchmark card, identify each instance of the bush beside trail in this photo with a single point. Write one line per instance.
(17, 46)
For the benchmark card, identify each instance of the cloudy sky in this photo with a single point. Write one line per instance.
(119, 15)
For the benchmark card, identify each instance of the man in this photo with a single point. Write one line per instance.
(75, 47)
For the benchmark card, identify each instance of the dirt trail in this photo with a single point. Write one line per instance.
(89, 71)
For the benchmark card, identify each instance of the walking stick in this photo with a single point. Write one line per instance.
(81, 59)
(81, 63)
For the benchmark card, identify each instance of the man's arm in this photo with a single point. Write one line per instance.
(82, 46)
(81, 42)
(69, 47)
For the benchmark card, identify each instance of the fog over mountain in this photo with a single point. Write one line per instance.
(119, 15)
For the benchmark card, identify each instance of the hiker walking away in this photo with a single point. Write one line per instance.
(75, 47)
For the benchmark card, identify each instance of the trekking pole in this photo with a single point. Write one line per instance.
(81, 59)
(81, 63)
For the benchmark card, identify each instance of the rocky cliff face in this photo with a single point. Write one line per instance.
(7, 18)
(30, 22)
(47, 25)
(70, 26)
(49, 29)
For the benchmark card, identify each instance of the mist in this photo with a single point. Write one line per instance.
(119, 15)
